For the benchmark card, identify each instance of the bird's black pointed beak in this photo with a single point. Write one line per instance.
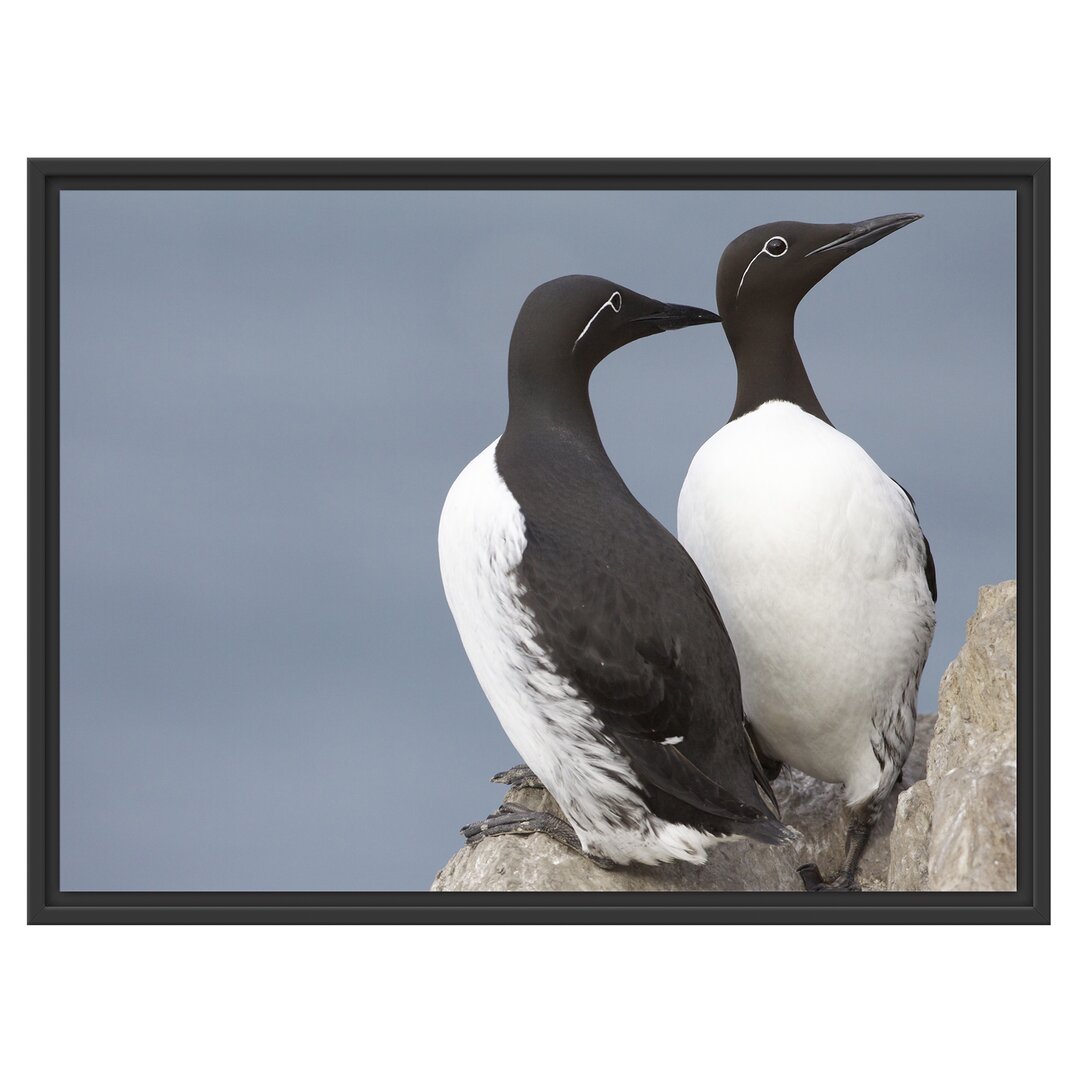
(674, 317)
(864, 233)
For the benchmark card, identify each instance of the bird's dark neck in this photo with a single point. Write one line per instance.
(549, 398)
(551, 422)
(536, 409)
(768, 363)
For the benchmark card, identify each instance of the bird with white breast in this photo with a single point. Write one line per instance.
(815, 556)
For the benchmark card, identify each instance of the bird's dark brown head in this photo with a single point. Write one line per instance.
(576, 321)
(777, 264)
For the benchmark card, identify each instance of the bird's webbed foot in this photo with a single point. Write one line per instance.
(813, 881)
(519, 776)
(512, 820)
(858, 836)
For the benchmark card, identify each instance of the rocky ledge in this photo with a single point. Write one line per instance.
(956, 830)
(951, 825)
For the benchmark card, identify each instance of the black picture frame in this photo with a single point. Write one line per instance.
(1028, 177)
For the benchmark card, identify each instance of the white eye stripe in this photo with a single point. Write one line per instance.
(747, 271)
(614, 301)
(764, 251)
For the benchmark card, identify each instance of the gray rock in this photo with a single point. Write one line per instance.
(908, 870)
(957, 828)
(953, 830)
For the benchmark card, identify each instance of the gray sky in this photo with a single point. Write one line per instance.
(264, 399)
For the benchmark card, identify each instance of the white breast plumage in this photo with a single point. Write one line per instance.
(815, 558)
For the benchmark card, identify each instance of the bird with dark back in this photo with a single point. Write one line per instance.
(590, 629)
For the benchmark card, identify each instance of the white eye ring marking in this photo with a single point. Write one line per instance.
(614, 301)
(764, 251)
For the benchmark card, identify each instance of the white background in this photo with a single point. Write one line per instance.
(551, 79)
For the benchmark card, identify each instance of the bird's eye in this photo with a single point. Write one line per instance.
(616, 302)
(776, 247)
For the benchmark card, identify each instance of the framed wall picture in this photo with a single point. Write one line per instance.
(702, 504)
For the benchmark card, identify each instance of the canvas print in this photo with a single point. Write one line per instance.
(538, 540)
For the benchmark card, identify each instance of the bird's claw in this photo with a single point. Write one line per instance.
(813, 881)
(519, 776)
